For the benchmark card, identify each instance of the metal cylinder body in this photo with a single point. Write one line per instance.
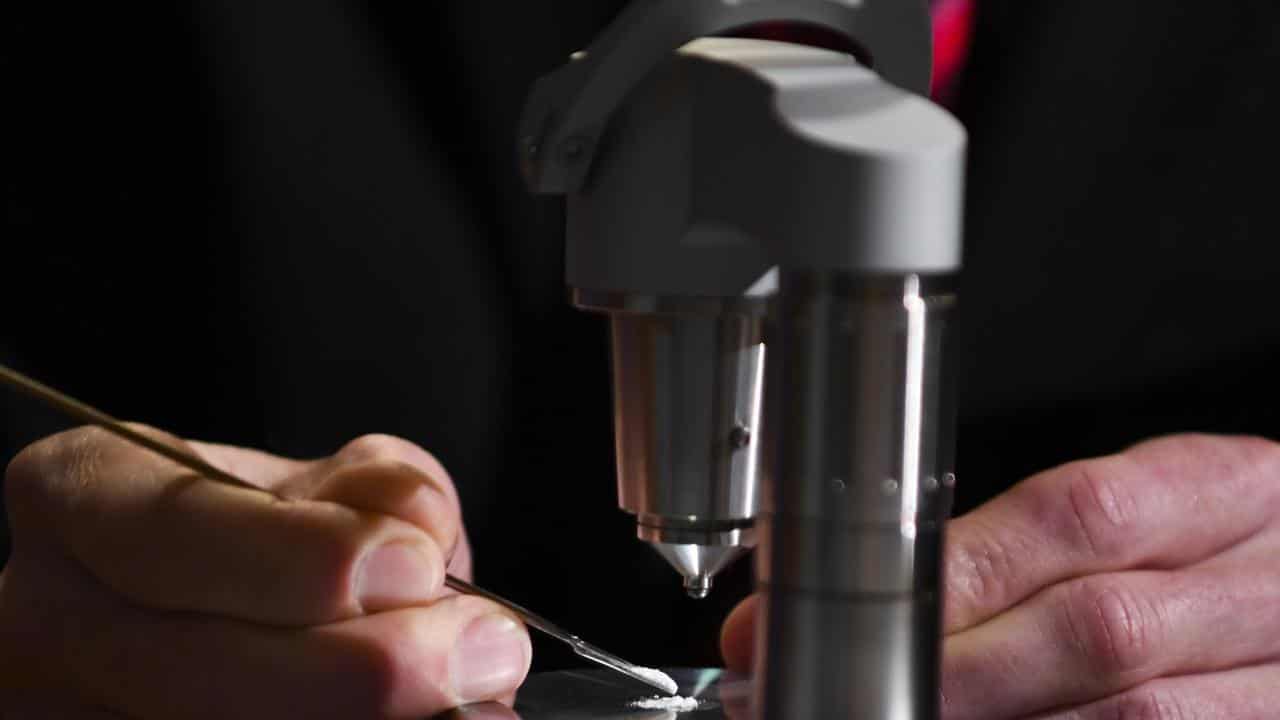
(861, 488)
(688, 391)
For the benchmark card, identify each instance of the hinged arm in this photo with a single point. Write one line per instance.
(568, 110)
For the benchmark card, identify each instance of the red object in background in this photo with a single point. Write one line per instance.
(952, 34)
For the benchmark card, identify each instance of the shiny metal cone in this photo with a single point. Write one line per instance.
(698, 564)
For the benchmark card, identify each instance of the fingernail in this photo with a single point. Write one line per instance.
(395, 575)
(490, 659)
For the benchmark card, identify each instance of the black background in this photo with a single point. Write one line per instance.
(285, 224)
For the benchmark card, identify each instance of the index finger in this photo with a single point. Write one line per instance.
(1163, 504)
(170, 540)
(255, 467)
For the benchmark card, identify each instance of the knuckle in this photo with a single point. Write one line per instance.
(1149, 704)
(1115, 629)
(370, 447)
(394, 476)
(1267, 449)
(24, 486)
(1101, 507)
(55, 468)
(1263, 458)
(394, 659)
(378, 447)
(400, 490)
(84, 457)
(336, 555)
(388, 448)
(374, 675)
(459, 560)
(980, 568)
(1238, 459)
(330, 547)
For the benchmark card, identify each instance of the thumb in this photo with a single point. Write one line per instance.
(738, 636)
(455, 651)
(410, 663)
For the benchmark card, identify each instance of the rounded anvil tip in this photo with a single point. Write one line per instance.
(698, 586)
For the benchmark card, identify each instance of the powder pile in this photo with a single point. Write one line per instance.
(675, 702)
(657, 677)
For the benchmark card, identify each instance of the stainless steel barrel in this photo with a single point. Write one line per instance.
(852, 532)
(688, 390)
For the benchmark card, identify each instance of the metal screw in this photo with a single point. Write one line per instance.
(838, 484)
(949, 480)
(889, 486)
(931, 484)
(739, 437)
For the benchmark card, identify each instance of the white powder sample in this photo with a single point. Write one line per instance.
(675, 702)
(657, 677)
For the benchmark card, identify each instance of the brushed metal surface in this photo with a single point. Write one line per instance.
(852, 530)
(688, 393)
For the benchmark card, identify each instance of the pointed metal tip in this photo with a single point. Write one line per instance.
(698, 564)
(698, 586)
(652, 677)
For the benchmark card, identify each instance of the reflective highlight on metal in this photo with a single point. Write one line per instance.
(688, 390)
(581, 647)
(861, 491)
(698, 564)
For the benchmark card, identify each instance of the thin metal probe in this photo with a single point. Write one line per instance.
(93, 416)
(88, 414)
(583, 648)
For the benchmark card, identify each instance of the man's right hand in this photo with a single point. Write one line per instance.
(139, 590)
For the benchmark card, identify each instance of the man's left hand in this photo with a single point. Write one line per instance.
(1140, 585)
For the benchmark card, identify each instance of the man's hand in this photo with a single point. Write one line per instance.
(1140, 585)
(137, 589)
